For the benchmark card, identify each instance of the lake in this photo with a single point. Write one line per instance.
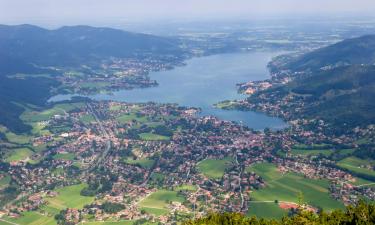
(203, 82)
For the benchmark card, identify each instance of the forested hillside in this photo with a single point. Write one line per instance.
(361, 214)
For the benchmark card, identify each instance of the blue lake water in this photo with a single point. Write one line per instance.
(203, 82)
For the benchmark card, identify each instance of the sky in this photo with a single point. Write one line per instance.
(66, 11)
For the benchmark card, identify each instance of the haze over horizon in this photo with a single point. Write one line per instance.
(94, 11)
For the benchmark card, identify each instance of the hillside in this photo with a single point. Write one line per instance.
(361, 214)
(23, 46)
(35, 52)
(359, 50)
(335, 84)
(341, 96)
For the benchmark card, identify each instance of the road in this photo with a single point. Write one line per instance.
(104, 133)
(240, 175)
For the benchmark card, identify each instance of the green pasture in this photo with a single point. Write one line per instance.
(214, 168)
(153, 137)
(157, 202)
(286, 187)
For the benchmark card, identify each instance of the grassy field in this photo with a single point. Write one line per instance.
(91, 85)
(156, 203)
(153, 137)
(266, 210)
(125, 222)
(186, 187)
(145, 163)
(18, 139)
(286, 187)
(130, 117)
(19, 154)
(325, 152)
(356, 165)
(214, 168)
(4, 181)
(86, 119)
(361, 181)
(68, 197)
(58, 109)
(67, 156)
(31, 218)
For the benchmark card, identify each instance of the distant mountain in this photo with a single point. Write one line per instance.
(337, 84)
(24, 45)
(352, 51)
(31, 50)
(343, 96)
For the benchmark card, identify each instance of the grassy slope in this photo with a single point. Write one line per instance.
(31, 218)
(156, 203)
(356, 165)
(214, 168)
(266, 210)
(286, 187)
(68, 197)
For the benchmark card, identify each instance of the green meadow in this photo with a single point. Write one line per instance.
(357, 165)
(145, 163)
(153, 137)
(286, 187)
(19, 154)
(126, 118)
(5, 181)
(124, 222)
(65, 156)
(58, 109)
(30, 218)
(157, 202)
(87, 119)
(186, 187)
(68, 197)
(214, 168)
(266, 210)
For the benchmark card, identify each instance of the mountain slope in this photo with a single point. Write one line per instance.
(31, 50)
(352, 51)
(24, 45)
(342, 96)
(336, 84)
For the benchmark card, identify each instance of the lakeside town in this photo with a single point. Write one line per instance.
(86, 161)
(124, 156)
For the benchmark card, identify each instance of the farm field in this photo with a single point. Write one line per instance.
(67, 156)
(129, 117)
(109, 223)
(315, 152)
(153, 137)
(325, 152)
(86, 119)
(17, 139)
(266, 210)
(145, 163)
(58, 109)
(30, 218)
(186, 187)
(19, 154)
(357, 165)
(286, 187)
(4, 181)
(361, 181)
(68, 197)
(156, 203)
(214, 168)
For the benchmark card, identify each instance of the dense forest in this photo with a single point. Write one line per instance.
(361, 214)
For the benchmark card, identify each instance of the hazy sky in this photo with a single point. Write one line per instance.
(24, 11)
